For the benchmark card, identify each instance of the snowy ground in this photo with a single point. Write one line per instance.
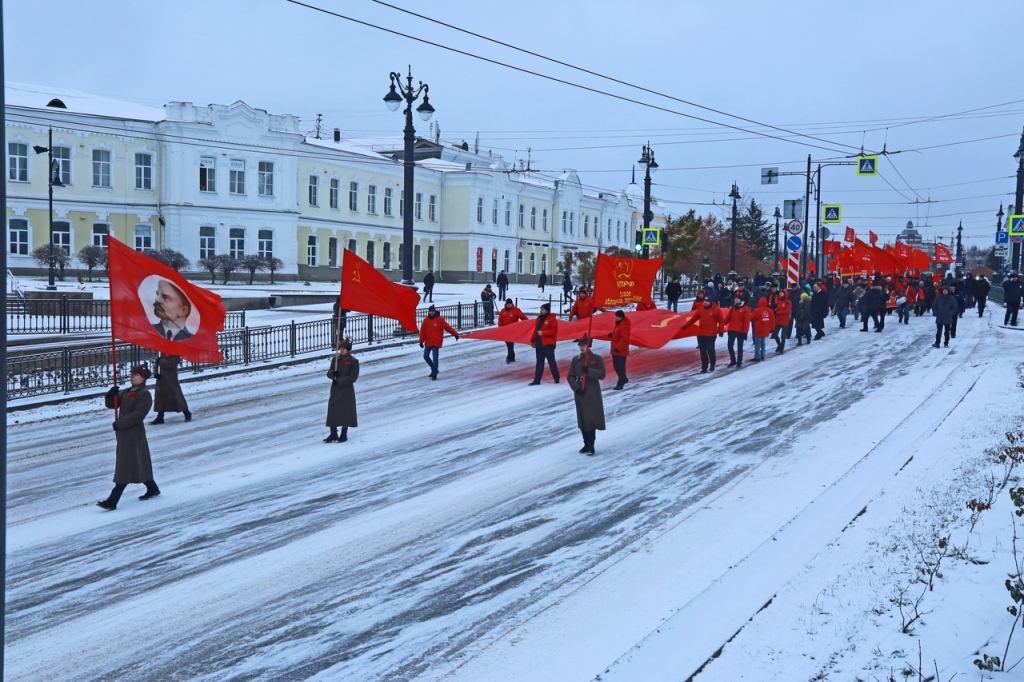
(458, 535)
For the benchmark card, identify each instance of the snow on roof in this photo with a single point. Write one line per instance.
(344, 146)
(37, 97)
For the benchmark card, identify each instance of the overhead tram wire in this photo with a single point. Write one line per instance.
(555, 79)
(603, 76)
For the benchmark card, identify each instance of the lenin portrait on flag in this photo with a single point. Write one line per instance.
(168, 308)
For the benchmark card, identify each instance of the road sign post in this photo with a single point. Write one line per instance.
(651, 236)
(1016, 226)
(867, 165)
(769, 176)
(793, 243)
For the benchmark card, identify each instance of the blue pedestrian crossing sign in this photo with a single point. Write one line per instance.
(794, 243)
(1002, 237)
(652, 236)
(1017, 226)
(831, 213)
(867, 165)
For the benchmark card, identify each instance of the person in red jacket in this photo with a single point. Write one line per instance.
(620, 348)
(432, 337)
(698, 300)
(510, 314)
(649, 304)
(737, 321)
(709, 321)
(763, 322)
(583, 307)
(783, 314)
(544, 343)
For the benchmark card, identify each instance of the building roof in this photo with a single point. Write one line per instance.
(348, 146)
(37, 97)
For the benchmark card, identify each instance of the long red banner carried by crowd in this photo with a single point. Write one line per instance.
(649, 329)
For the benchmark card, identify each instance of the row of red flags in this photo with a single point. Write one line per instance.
(153, 306)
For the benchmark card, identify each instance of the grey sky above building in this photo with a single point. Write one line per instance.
(872, 73)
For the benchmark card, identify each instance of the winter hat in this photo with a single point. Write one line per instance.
(583, 341)
(546, 307)
(346, 344)
(619, 313)
(805, 296)
(509, 300)
(432, 309)
(142, 371)
(487, 287)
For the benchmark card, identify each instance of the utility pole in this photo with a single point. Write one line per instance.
(647, 159)
(999, 228)
(775, 263)
(807, 218)
(959, 249)
(734, 195)
(1018, 207)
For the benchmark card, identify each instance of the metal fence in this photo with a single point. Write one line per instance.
(73, 369)
(73, 316)
(996, 295)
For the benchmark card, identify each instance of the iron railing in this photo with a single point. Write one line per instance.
(70, 369)
(73, 316)
(996, 295)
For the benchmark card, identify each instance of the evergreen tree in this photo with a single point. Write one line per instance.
(682, 234)
(753, 226)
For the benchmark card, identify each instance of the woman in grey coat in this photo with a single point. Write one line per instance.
(132, 464)
(585, 374)
(341, 408)
(168, 395)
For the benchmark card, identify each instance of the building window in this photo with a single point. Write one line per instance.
(401, 256)
(494, 212)
(507, 268)
(609, 229)
(401, 204)
(371, 199)
(533, 264)
(236, 242)
(480, 210)
(544, 262)
(62, 236)
(332, 252)
(207, 173)
(432, 208)
(387, 201)
(544, 220)
(335, 192)
(143, 171)
(236, 177)
(572, 219)
(430, 257)
(522, 216)
(533, 217)
(586, 226)
(565, 219)
(385, 256)
(17, 161)
(618, 230)
(62, 155)
(314, 190)
(143, 237)
(416, 263)
(100, 168)
(519, 262)
(207, 242)
(312, 257)
(353, 246)
(417, 211)
(353, 196)
(99, 234)
(265, 179)
(19, 236)
(371, 248)
(508, 214)
(265, 244)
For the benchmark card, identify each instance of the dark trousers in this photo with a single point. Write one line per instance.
(588, 437)
(939, 329)
(511, 355)
(501, 293)
(819, 327)
(878, 317)
(842, 312)
(488, 313)
(981, 305)
(707, 352)
(428, 294)
(789, 328)
(737, 339)
(619, 363)
(952, 327)
(1011, 313)
(803, 332)
(546, 353)
(780, 337)
(115, 494)
(430, 356)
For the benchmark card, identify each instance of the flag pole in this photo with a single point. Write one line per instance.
(337, 320)
(113, 341)
(586, 354)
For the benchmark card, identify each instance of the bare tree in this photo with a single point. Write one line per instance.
(172, 259)
(61, 258)
(273, 265)
(211, 265)
(227, 264)
(252, 263)
(93, 257)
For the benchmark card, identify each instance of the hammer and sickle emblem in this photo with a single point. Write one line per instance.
(664, 323)
(623, 269)
(355, 276)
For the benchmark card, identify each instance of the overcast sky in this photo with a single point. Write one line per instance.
(840, 71)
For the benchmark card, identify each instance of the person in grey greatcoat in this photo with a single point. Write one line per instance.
(946, 309)
(585, 375)
(168, 396)
(341, 408)
(132, 463)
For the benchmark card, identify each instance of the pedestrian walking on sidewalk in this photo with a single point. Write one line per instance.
(168, 396)
(502, 281)
(428, 286)
(132, 461)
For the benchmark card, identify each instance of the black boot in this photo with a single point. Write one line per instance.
(151, 491)
(333, 438)
(188, 416)
(159, 418)
(110, 504)
(344, 434)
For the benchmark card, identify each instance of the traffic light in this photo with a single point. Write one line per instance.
(638, 243)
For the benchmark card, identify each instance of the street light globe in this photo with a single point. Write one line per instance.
(425, 110)
(653, 166)
(392, 99)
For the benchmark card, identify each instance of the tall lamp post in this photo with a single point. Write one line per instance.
(647, 159)
(959, 250)
(1018, 206)
(735, 196)
(53, 180)
(396, 95)
(999, 228)
(775, 263)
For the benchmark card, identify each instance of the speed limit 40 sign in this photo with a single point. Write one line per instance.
(794, 227)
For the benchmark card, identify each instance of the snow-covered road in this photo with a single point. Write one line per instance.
(457, 534)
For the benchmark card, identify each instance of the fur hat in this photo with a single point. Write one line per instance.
(346, 344)
(583, 341)
(142, 371)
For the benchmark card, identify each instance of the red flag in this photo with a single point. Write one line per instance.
(811, 266)
(872, 237)
(920, 260)
(851, 236)
(830, 248)
(365, 290)
(937, 277)
(620, 281)
(904, 250)
(943, 255)
(153, 306)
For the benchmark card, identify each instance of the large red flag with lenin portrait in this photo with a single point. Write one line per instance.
(365, 290)
(621, 281)
(153, 306)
